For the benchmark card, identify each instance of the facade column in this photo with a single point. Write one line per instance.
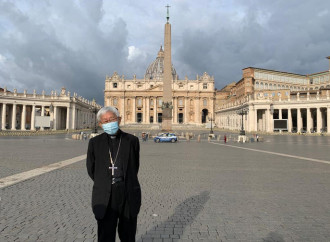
(186, 110)
(155, 110)
(123, 114)
(148, 110)
(309, 121)
(197, 116)
(175, 110)
(289, 120)
(55, 118)
(67, 125)
(319, 120)
(23, 118)
(328, 120)
(3, 116)
(299, 121)
(280, 113)
(13, 117)
(134, 110)
(33, 115)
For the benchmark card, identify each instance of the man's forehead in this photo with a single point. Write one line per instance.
(109, 114)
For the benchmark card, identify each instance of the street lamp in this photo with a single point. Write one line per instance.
(211, 119)
(242, 111)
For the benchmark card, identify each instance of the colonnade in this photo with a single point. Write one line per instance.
(300, 118)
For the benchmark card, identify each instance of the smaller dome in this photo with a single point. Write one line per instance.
(155, 70)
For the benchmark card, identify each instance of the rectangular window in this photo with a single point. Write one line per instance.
(204, 85)
(115, 85)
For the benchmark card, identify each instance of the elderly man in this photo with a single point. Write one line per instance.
(113, 164)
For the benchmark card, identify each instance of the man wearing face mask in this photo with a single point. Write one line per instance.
(113, 163)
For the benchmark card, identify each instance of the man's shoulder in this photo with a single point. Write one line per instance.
(129, 136)
(97, 138)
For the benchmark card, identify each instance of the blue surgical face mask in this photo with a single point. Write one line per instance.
(111, 128)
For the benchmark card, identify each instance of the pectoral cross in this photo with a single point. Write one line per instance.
(112, 167)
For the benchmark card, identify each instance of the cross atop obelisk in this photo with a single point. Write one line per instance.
(167, 78)
(168, 12)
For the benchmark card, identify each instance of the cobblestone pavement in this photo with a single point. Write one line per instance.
(191, 192)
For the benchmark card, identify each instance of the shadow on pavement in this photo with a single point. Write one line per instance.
(185, 213)
(273, 237)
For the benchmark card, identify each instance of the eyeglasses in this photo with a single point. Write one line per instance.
(109, 120)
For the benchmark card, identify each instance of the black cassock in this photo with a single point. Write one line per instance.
(120, 202)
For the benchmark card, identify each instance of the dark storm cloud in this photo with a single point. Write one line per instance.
(50, 44)
(288, 36)
(63, 48)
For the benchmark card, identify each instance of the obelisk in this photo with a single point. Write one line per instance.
(167, 78)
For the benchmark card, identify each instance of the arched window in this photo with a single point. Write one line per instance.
(261, 85)
(266, 85)
(257, 85)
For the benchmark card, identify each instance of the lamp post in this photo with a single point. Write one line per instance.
(94, 110)
(211, 119)
(242, 111)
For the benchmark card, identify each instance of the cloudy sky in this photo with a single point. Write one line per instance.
(47, 44)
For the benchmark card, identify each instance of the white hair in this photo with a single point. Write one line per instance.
(107, 109)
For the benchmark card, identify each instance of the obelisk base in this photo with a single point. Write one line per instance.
(167, 120)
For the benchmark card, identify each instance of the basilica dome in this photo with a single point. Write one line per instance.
(155, 70)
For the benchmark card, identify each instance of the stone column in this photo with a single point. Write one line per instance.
(73, 120)
(289, 120)
(55, 118)
(299, 121)
(319, 120)
(328, 120)
(186, 111)
(280, 113)
(155, 110)
(309, 121)
(197, 113)
(33, 115)
(3, 117)
(123, 114)
(134, 110)
(13, 119)
(148, 110)
(270, 123)
(175, 110)
(67, 125)
(23, 118)
(42, 111)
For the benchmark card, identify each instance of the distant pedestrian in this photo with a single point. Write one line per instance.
(257, 137)
(225, 139)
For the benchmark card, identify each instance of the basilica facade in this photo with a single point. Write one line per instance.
(140, 101)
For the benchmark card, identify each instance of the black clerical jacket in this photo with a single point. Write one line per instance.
(98, 163)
